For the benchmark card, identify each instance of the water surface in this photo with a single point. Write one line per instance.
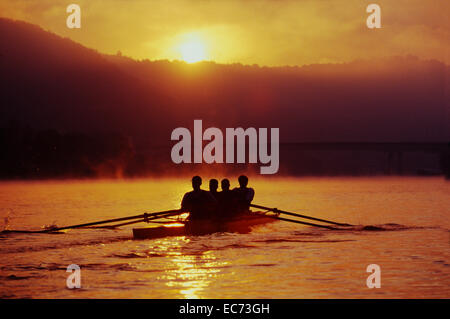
(280, 260)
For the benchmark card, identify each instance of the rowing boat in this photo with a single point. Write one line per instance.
(178, 226)
(242, 224)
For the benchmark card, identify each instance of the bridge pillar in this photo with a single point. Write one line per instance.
(390, 158)
(400, 163)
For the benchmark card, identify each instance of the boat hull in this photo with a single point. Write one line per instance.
(243, 224)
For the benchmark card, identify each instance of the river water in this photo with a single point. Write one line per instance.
(410, 242)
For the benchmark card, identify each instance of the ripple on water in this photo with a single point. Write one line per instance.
(15, 277)
(132, 255)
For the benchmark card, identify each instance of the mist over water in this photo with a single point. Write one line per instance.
(402, 225)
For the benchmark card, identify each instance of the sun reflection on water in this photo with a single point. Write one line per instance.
(192, 271)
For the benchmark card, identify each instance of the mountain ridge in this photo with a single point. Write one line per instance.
(53, 82)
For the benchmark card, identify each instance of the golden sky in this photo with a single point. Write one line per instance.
(265, 32)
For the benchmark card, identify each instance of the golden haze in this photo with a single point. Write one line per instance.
(252, 32)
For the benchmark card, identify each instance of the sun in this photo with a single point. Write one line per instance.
(192, 49)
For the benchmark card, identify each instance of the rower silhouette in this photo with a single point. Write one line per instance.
(244, 195)
(213, 186)
(226, 200)
(199, 203)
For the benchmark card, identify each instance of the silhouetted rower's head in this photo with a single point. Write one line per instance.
(225, 184)
(213, 185)
(196, 182)
(243, 181)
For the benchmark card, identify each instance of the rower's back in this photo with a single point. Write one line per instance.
(199, 203)
(213, 186)
(243, 194)
(226, 201)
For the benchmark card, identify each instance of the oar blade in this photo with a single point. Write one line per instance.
(299, 215)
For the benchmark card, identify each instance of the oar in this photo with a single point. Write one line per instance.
(141, 216)
(147, 220)
(297, 221)
(276, 210)
(144, 216)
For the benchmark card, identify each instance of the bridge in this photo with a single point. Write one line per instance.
(394, 152)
